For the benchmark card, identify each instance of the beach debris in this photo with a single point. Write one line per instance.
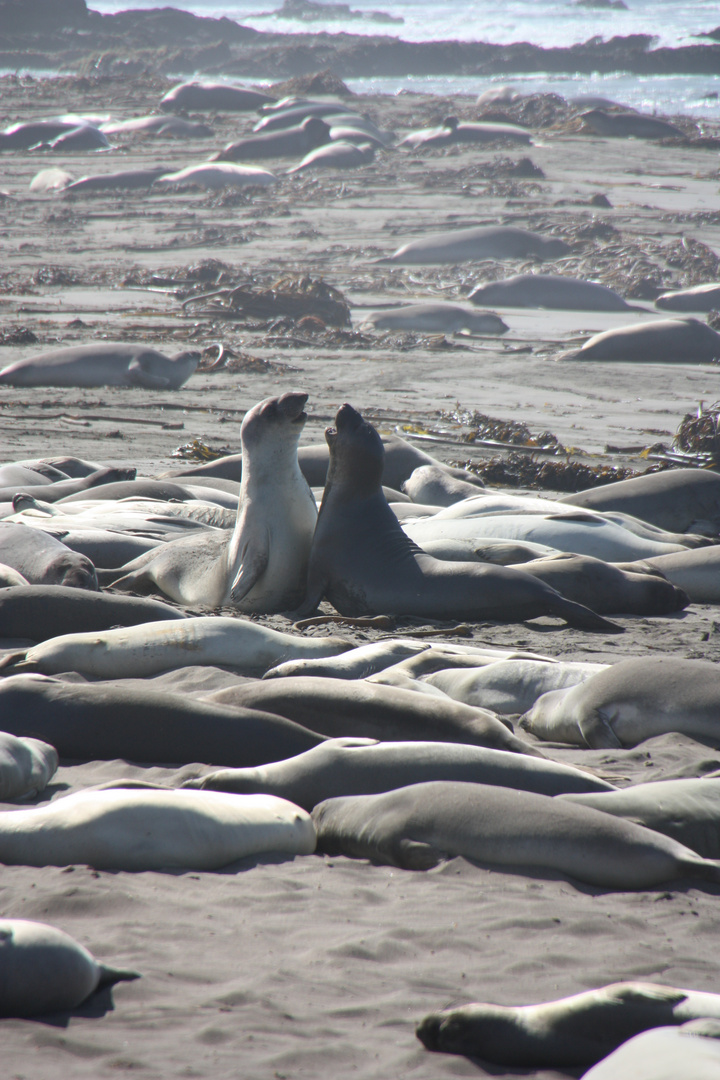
(292, 295)
(197, 450)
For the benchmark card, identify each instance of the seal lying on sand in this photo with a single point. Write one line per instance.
(436, 318)
(688, 810)
(419, 826)
(102, 365)
(679, 341)
(549, 291)
(26, 766)
(681, 500)
(213, 97)
(632, 701)
(576, 1030)
(365, 565)
(364, 767)
(126, 179)
(215, 175)
(699, 298)
(43, 970)
(623, 125)
(312, 132)
(262, 565)
(43, 560)
(480, 242)
(149, 829)
(665, 1053)
(453, 131)
(40, 612)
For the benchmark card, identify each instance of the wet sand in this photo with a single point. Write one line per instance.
(319, 967)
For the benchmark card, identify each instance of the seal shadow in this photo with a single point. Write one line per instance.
(489, 1068)
(95, 1007)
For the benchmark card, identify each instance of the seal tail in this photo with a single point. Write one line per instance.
(110, 975)
(581, 617)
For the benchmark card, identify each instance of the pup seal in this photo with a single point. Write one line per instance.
(417, 827)
(26, 766)
(365, 767)
(576, 1030)
(262, 565)
(43, 970)
(102, 365)
(151, 829)
(479, 242)
(631, 701)
(365, 565)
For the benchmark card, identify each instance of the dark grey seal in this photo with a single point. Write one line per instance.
(364, 767)
(125, 180)
(312, 132)
(103, 721)
(480, 242)
(625, 125)
(365, 565)
(40, 612)
(680, 500)
(549, 291)
(42, 559)
(102, 365)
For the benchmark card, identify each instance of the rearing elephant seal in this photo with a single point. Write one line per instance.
(260, 566)
(365, 565)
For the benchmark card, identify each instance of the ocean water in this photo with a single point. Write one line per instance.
(540, 22)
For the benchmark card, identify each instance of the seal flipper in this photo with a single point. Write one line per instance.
(110, 975)
(416, 855)
(581, 617)
(138, 375)
(254, 558)
(595, 729)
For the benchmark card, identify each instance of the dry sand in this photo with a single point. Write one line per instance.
(319, 967)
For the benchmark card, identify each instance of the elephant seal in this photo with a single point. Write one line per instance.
(509, 686)
(40, 612)
(623, 125)
(439, 318)
(125, 179)
(81, 137)
(23, 136)
(354, 664)
(574, 1031)
(678, 341)
(681, 500)
(699, 298)
(311, 133)
(631, 701)
(453, 131)
(146, 649)
(696, 572)
(215, 175)
(42, 560)
(93, 722)
(43, 970)
(605, 588)
(51, 180)
(61, 489)
(354, 766)
(337, 708)
(262, 565)
(26, 766)
(549, 291)
(167, 126)
(150, 829)
(213, 97)
(10, 578)
(687, 810)
(102, 365)
(419, 826)
(281, 119)
(691, 1050)
(434, 484)
(480, 242)
(361, 560)
(336, 155)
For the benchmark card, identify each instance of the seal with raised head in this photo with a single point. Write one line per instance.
(353, 766)
(262, 565)
(576, 1030)
(631, 701)
(102, 365)
(365, 565)
(44, 970)
(479, 242)
(419, 826)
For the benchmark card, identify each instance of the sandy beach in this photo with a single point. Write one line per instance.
(320, 967)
